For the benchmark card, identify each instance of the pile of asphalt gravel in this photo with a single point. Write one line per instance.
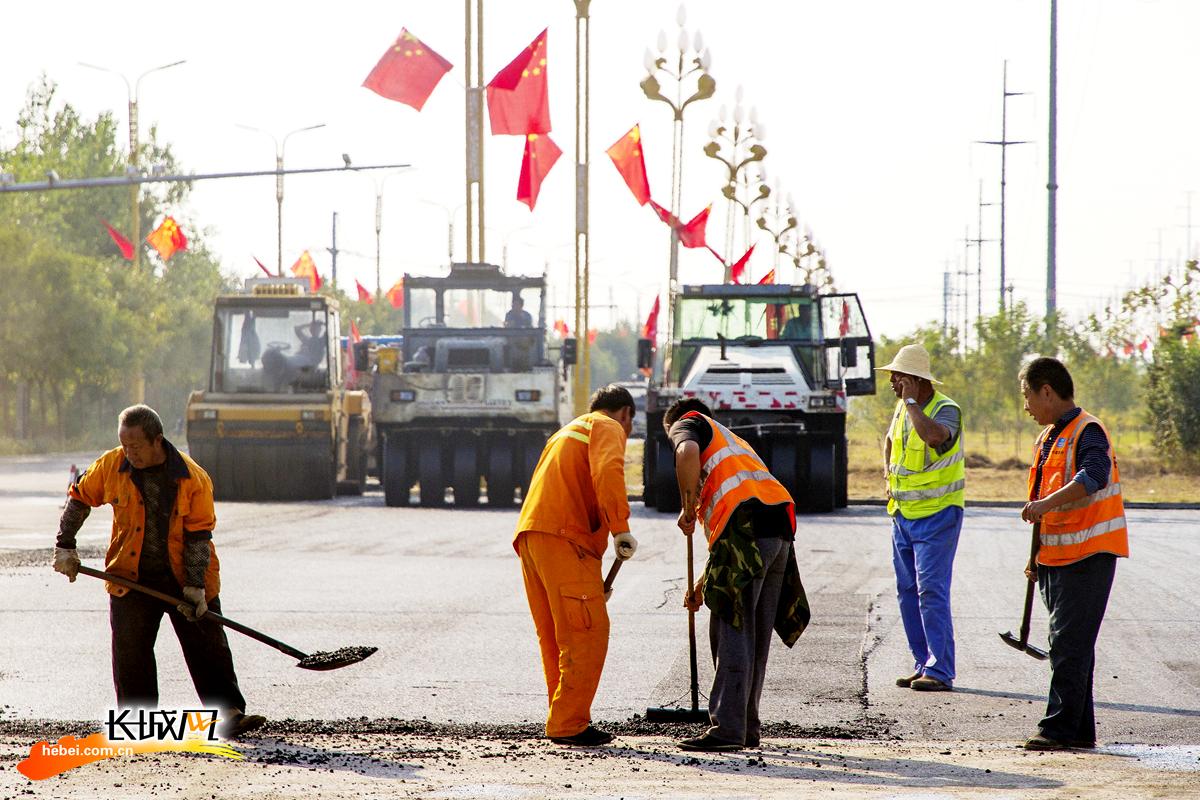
(635, 726)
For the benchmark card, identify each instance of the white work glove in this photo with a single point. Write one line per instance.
(66, 561)
(625, 545)
(196, 606)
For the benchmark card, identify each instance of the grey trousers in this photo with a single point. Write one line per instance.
(740, 656)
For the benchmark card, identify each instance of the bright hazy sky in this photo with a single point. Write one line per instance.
(870, 109)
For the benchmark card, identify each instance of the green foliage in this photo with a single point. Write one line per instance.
(614, 356)
(81, 328)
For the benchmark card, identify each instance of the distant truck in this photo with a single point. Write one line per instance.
(277, 421)
(776, 365)
(472, 392)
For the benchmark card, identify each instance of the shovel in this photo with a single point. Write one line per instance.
(314, 661)
(612, 574)
(1021, 642)
(695, 713)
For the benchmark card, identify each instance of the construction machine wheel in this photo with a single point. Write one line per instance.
(666, 488)
(783, 465)
(465, 471)
(394, 470)
(430, 474)
(500, 483)
(842, 475)
(648, 493)
(821, 496)
(356, 458)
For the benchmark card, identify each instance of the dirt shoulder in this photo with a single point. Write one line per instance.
(375, 765)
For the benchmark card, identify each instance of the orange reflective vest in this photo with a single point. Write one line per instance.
(1093, 524)
(730, 474)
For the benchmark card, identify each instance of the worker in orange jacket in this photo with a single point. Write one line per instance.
(575, 500)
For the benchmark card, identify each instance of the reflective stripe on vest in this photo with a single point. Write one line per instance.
(922, 486)
(1090, 525)
(731, 474)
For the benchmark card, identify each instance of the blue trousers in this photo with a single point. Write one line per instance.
(923, 555)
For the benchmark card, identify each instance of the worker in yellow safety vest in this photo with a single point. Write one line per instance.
(1075, 500)
(924, 470)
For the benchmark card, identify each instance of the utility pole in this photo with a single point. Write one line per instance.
(946, 297)
(1187, 254)
(1052, 176)
(964, 292)
(583, 370)
(473, 71)
(333, 251)
(978, 242)
(1004, 144)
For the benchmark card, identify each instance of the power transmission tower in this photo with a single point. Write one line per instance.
(978, 241)
(1004, 144)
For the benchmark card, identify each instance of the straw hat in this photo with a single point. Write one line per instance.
(912, 359)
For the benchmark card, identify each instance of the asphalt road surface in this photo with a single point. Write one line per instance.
(440, 593)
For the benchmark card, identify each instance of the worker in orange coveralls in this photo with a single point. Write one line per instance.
(575, 500)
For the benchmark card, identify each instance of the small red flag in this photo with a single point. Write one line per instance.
(351, 372)
(167, 238)
(650, 329)
(540, 155)
(306, 268)
(518, 97)
(407, 72)
(363, 295)
(120, 241)
(561, 328)
(1142, 345)
(627, 157)
(844, 325)
(266, 271)
(395, 295)
(739, 268)
(592, 336)
(691, 234)
(768, 278)
(1128, 348)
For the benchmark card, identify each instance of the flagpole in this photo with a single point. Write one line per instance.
(583, 371)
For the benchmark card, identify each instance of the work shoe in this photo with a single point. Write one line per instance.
(588, 737)
(709, 744)
(928, 684)
(241, 723)
(1041, 742)
(1081, 745)
(907, 680)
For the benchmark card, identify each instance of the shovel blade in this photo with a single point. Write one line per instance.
(335, 659)
(677, 715)
(1025, 647)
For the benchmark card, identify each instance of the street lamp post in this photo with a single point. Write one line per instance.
(380, 183)
(131, 91)
(280, 147)
(741, 189)
(690, 58)
(450, 214)
(778, 219)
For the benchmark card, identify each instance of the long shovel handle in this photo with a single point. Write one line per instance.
(612, 574)
(1034, 546)
(175, 601)
(691, 582)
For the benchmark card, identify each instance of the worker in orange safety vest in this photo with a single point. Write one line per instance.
(1075, 500)
(576, 500)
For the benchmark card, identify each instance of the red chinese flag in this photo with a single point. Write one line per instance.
(650, 329)
(120, 241)
(306, 268)
(592, 336)
(692, 234)
(363, 295)
(768, 278)
(407, 72)
(540, 155)
(395, 295)
(663, 214)
(561, 328)
(266, 271)
(844, 325)
(739, 268)
(167, 239)
(626, 156)
(518, 98)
